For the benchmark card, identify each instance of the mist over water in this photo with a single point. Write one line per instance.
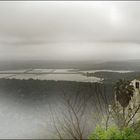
(25, 108)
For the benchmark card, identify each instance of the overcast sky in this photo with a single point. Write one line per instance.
(70, 30)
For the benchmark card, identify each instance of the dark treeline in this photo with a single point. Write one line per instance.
(112, 77)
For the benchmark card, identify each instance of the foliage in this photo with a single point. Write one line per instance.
(112, 77)
(114, 133)
(123, 91)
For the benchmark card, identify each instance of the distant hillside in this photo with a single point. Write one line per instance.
(83, 65)
(44, 64)
(119, 65)
(112, 77)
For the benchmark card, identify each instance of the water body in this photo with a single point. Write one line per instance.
(49, 74)
(55, 74)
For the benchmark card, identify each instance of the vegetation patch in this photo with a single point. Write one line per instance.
(114, 133)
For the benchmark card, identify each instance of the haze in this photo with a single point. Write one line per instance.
(69, 30)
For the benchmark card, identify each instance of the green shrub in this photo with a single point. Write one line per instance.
(114, 133)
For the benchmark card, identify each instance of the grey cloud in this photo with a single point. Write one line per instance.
(60, 21)
(44, 24)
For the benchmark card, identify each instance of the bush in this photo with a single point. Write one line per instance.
(114, 133)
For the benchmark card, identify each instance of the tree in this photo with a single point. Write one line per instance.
(82, 111)
(123, 92)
